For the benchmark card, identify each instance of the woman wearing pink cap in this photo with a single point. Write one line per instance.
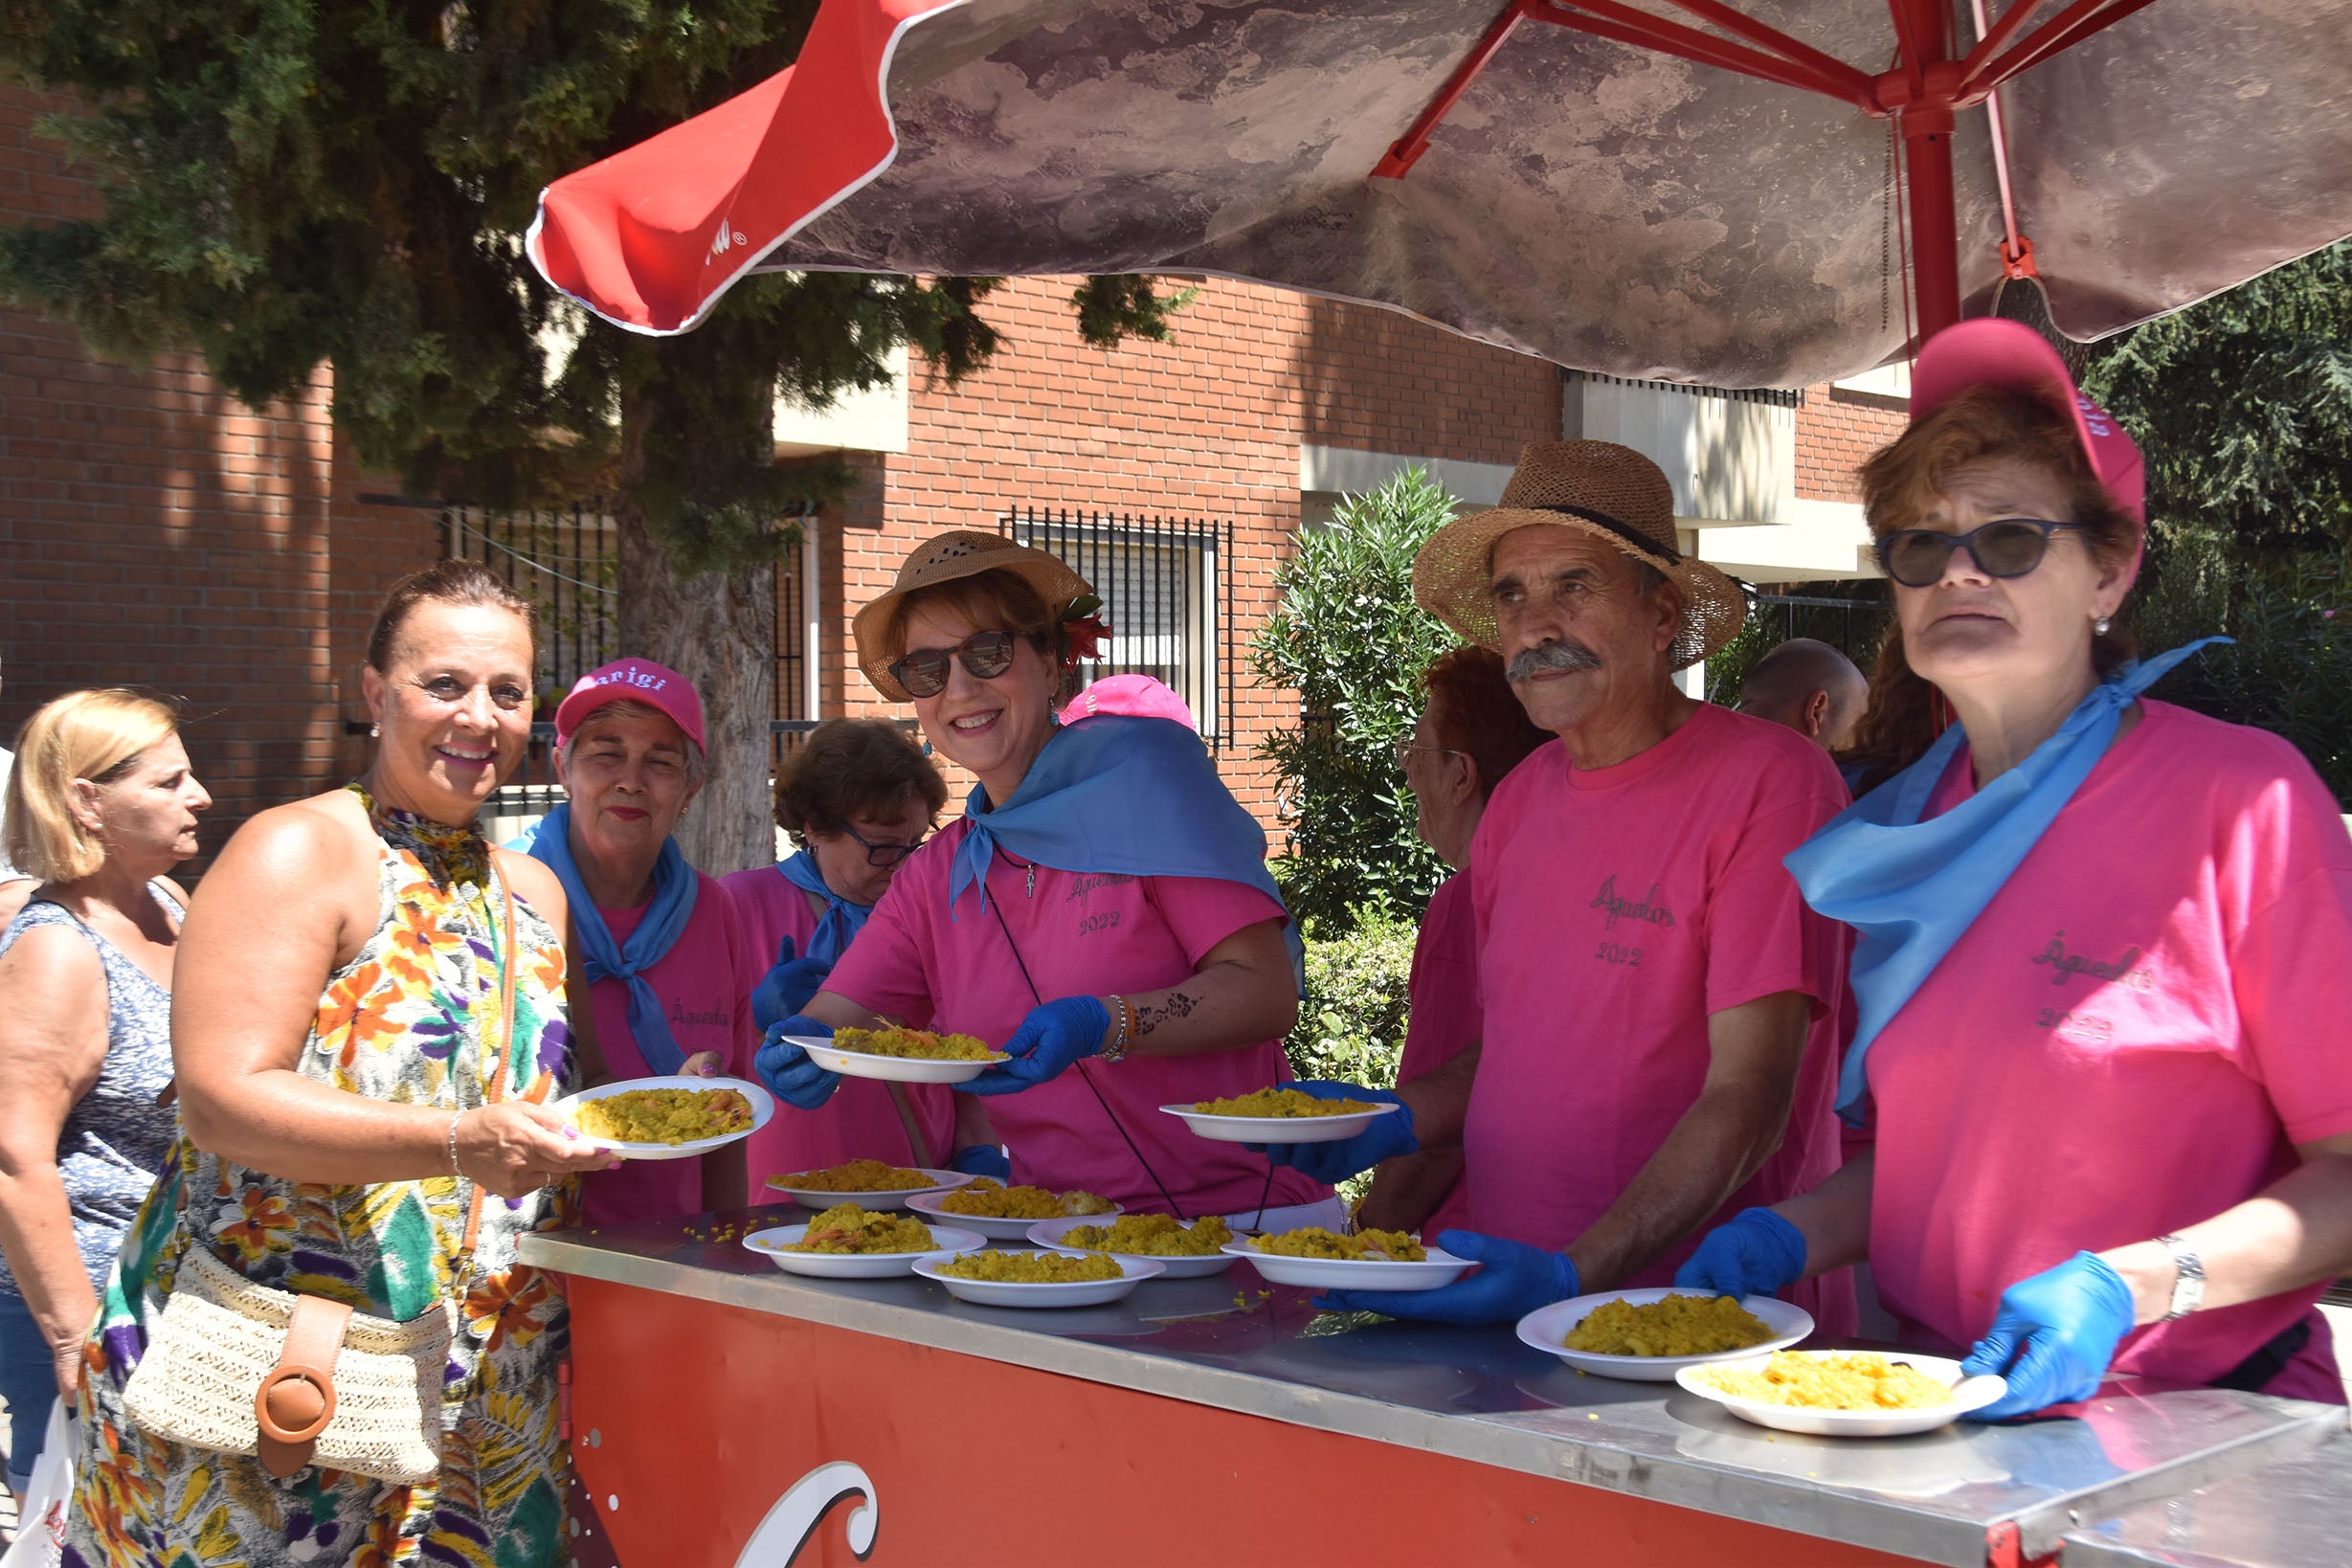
(672, 971)
(2104, 945)
(1102, 911)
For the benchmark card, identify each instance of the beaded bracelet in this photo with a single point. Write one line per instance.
(1116, 1050)
(453, 1145)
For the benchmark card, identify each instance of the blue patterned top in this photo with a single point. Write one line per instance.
(116, 1138)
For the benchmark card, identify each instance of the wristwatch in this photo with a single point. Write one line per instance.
(2187, 1278)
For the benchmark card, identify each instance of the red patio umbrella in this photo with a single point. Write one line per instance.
(1676, 190)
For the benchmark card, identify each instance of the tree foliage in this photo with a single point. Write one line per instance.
(1349, 639)
(1351, 1022)
(2243, 406)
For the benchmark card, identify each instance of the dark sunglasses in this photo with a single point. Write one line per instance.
(984, 655)
(2009, 548)
(882, 854)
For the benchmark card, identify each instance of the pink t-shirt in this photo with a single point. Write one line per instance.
(860, 1122)
(2127, 1042)
(1444, 1021)
(1091, 934)
(1617, 908)
(704, 983)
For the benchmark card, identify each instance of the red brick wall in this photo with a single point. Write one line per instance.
(1208, 425)
(1836, 430)
(156, 532)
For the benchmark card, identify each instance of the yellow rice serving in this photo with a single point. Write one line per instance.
(1032, 1267)
(663, 1115)
(992, 1200)
(1832, 1382)
(1674, 1326)
(1280, 1103)
(1369, 1245)
(919, 1044)
(1152, 1236)
(857, 1176)
(846, 1227)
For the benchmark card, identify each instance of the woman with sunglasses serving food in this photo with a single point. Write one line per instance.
(1103, 896)
(860, 797)
(2104, 945)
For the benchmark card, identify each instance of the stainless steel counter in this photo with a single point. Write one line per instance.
(2296, 1513)
(1231, 1342)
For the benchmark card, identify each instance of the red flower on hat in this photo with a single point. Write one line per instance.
(1086, 637)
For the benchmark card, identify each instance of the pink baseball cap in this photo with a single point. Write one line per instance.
(636, 681)
(1137, 696)
(1988, 352)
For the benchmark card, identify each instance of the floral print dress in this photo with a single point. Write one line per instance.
(406, 1020)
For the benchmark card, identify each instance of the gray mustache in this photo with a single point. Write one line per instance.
(1568, 657)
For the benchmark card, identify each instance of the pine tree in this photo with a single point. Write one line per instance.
(292, 182)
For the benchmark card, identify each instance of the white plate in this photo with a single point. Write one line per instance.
(895, 1198)
(899, 1069)
(1014, 1229)
(763, 1107)
(1442, 1267)
(947, 1243)
(1048, 1233)
(1074, 1294)
(1280, 1129)
(1546, 1327)
(1967, 1394)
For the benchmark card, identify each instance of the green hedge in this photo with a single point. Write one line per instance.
(1351, 1025)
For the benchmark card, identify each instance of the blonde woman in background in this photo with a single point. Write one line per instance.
(101, 805)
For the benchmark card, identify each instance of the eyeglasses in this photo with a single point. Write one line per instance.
(984, 656)
(2009, 548)
(886, 854)
(1405, 749)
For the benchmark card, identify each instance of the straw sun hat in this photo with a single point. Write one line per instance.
(1608, 491)
(963, 552)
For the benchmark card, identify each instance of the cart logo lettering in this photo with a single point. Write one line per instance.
(2065, 966)
(792, 1522)
(1649, 907)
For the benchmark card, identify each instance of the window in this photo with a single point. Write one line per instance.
(1164, 595)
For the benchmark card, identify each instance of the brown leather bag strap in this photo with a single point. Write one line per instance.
(297, 1397)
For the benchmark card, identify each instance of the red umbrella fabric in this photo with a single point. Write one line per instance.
(1687, 191)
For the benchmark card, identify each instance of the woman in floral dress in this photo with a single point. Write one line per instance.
(333, 1024)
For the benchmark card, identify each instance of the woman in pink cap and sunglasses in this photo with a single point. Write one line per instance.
(2104, 945)
(671, 971)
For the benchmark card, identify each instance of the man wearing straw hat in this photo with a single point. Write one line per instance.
(1661, 1009)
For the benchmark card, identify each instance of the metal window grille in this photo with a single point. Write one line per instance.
(1852, 626)
(1166, 596)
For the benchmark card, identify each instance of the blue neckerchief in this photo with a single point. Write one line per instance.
(1125, 796)
(673, 903)
(1910, 889)
(841, 919)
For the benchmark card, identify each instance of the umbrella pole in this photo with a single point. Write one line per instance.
(1934, 228)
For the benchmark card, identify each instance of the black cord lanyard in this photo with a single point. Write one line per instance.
(1079, 1067)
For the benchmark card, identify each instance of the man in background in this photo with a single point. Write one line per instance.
(1807, 686)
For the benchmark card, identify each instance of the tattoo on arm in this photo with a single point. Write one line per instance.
(1151, 1015)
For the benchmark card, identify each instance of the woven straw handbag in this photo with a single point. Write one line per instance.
(294, 1380)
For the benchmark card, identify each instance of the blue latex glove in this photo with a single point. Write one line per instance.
(788, 987)
(2054, 1336)
(786, 1068)
(1755, 1253)
(1053, 1036)
(982, 1160)
(1387, 1137)
(1513, 1280)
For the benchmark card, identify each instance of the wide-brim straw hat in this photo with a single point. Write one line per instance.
(1611, 492)
(961, 553)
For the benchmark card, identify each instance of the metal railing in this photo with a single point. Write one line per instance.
(1852, 626)
(1166, 589)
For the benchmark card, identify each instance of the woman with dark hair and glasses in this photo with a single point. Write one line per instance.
(1103, 897)
(858, 797)
(2104, 945)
